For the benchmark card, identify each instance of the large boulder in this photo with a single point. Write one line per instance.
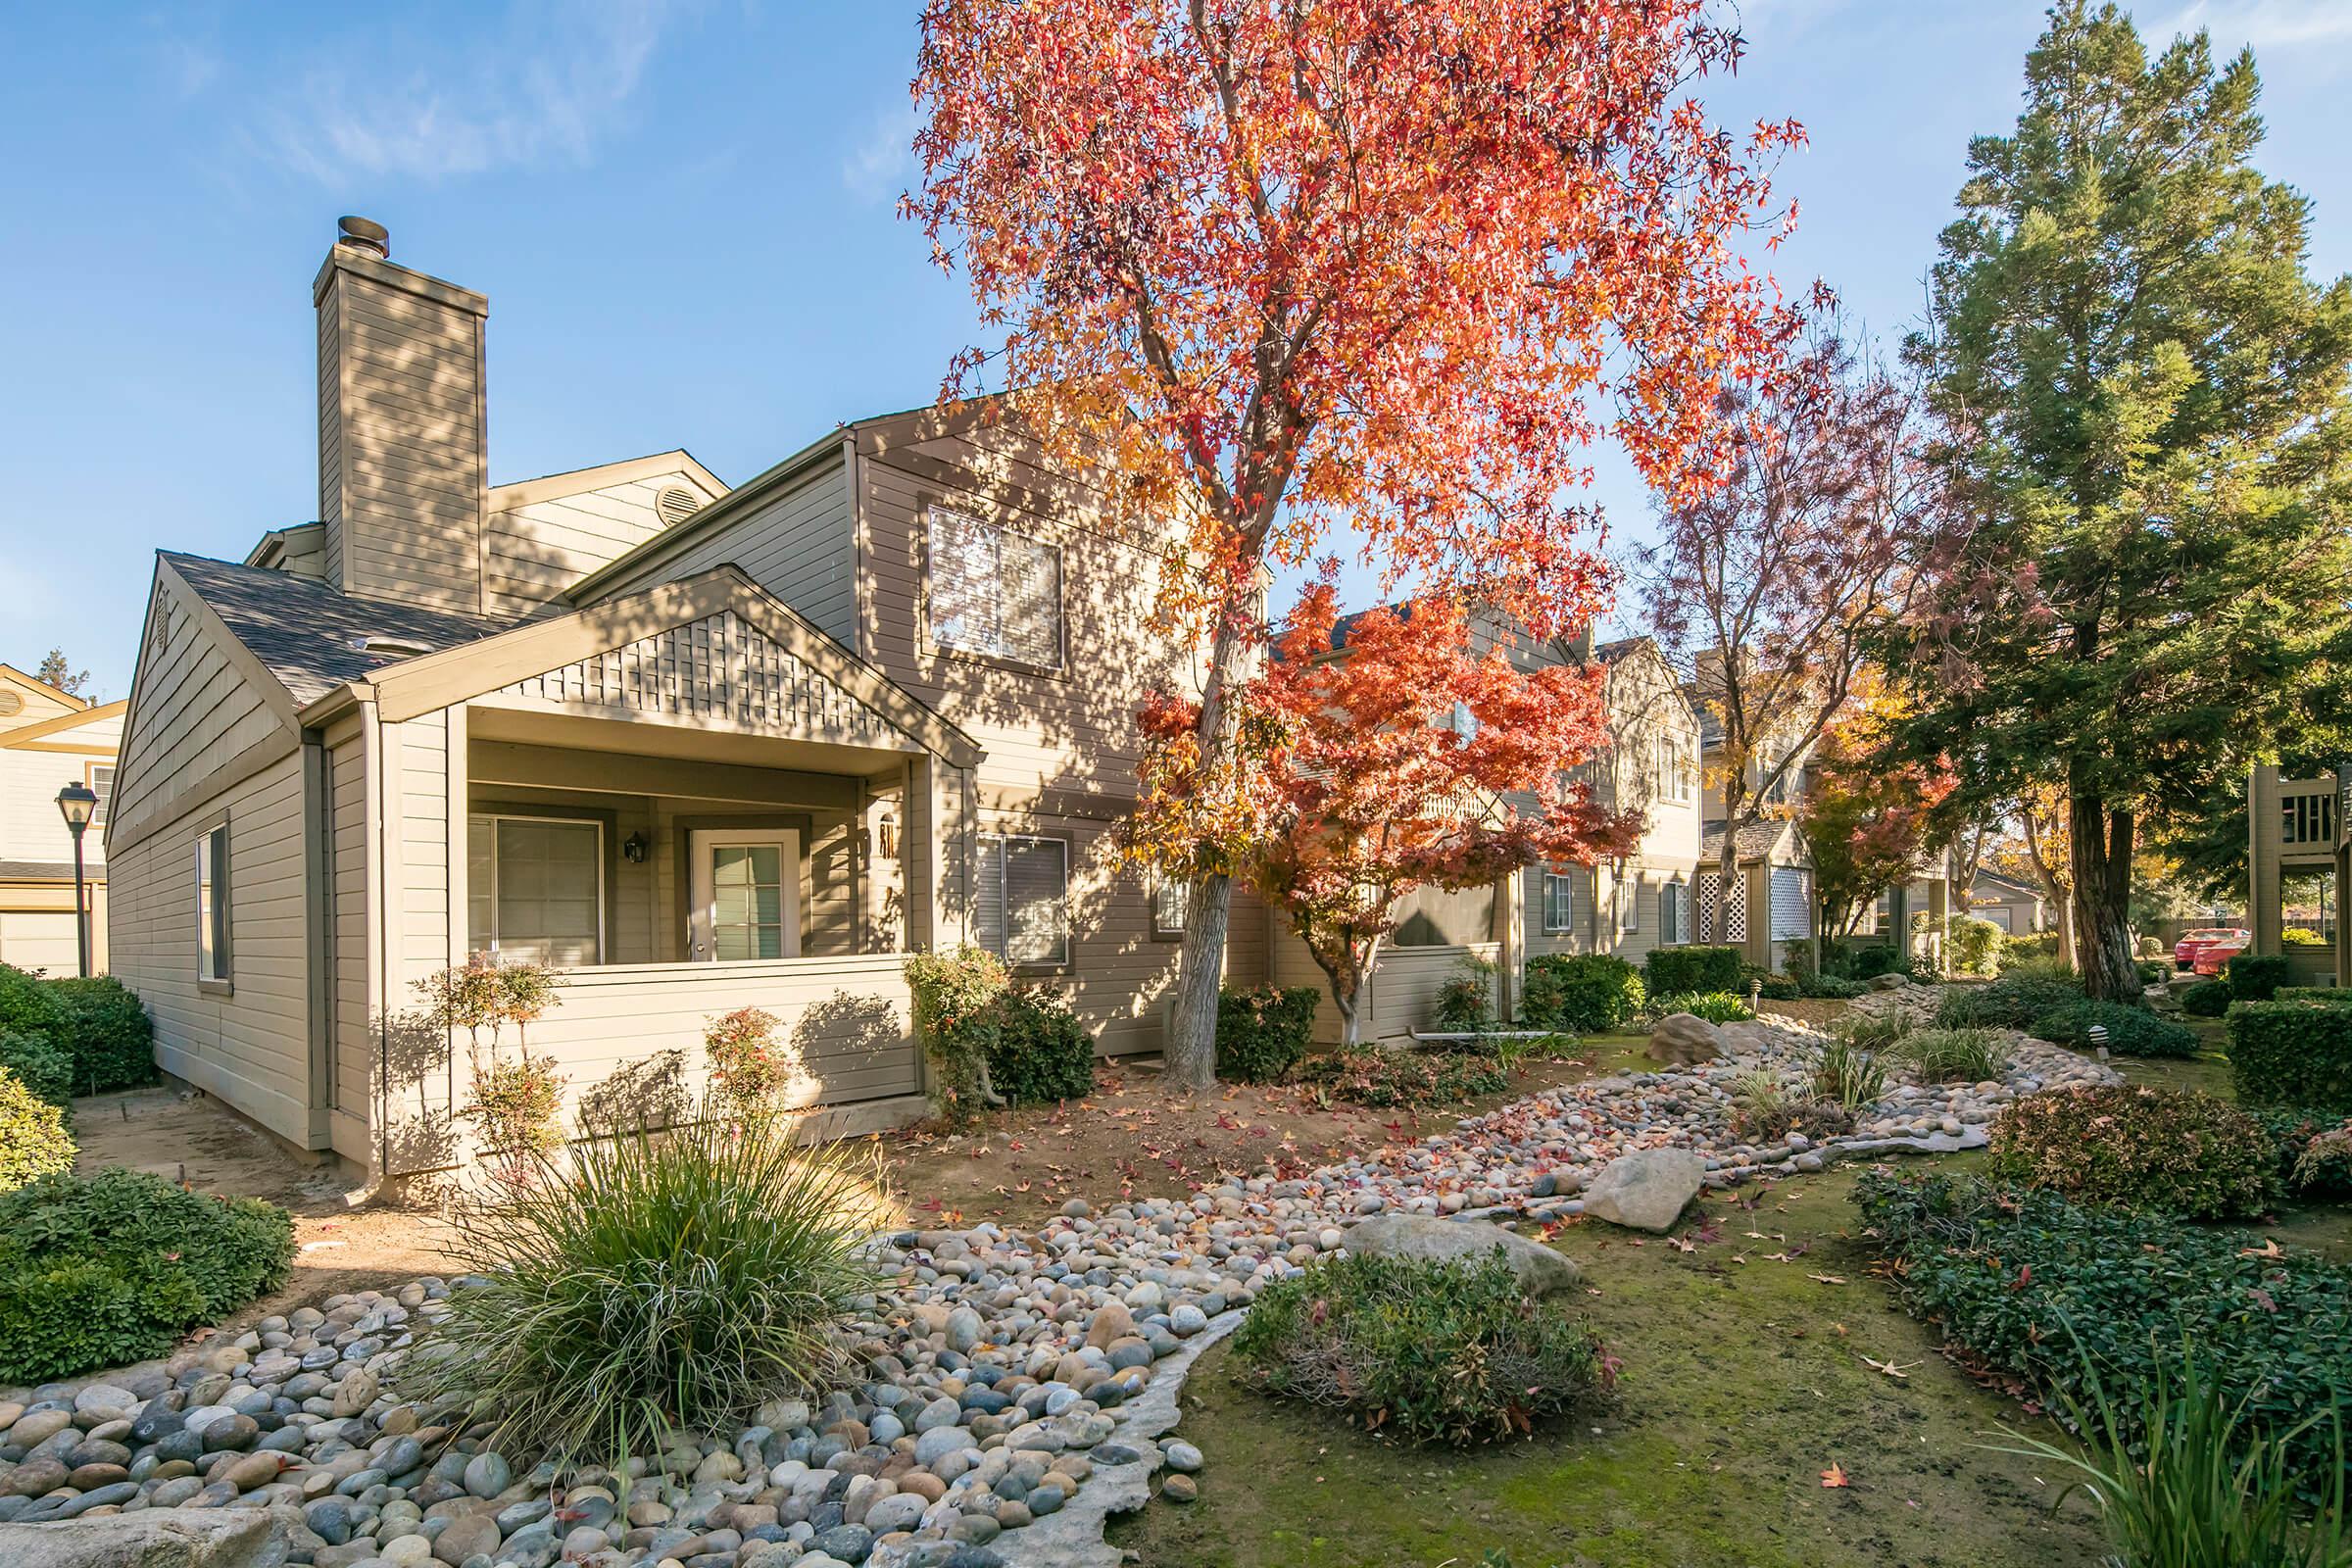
(1684, 1038)
(1743, 1037)
(1647, 1189)
(1539, 1269)
(1892, 980)
(156, 1537)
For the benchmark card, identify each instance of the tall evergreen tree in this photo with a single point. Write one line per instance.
(2146, 396)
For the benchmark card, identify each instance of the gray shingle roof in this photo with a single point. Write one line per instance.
(1757, 841)
(50, 871)
(308, 633)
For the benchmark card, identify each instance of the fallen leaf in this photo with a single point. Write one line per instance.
(1835, 1476)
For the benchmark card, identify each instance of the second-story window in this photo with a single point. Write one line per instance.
(992, 592)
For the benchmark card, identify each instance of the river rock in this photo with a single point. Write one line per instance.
(1647, 1189)
(1683, 1038)
(1539, 1269)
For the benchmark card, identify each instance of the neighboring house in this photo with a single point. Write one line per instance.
(1624, 907)
(49, 739)
(701, 749)
(1774, 904)
(2297, 834)
(2017, 908)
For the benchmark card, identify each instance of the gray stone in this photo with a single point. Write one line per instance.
(1539, 1269)
(154, 1537)
(1683, 1038)
(1647, 1189)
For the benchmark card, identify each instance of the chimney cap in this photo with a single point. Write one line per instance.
(364, 234)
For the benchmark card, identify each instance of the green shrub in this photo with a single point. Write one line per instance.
(1692, 968)
(2131, 1031)
(1466, 999)
(1867, 963)
(953, 997)
(2048, 968)
(1383, 1076)
(2179, 1478)
(1583, 993)
(2312, 994)
(2293, 1054)
(1039, 1051)
(1829, 987)
(671, 1281)
(34, 1139)
(2012, 1001)
(1434, 1352)
(1263, 1031)
(29, 1004)
(1849, 1074)
(108, 1033)
(2003, 1272)
(2186, 1154)
(1975, 944)
(2306, 1171)
(2301, 935)
(40, 1064)
(1715, 1007)
(99, 1271)
(2027, 945)
(2257, 976)
(1954, 1055)
(1779, 986)
(1874, 1031)
(2207, 999)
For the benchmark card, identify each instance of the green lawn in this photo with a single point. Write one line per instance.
(1747, 1373)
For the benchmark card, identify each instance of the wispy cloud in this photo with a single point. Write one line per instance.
(882, 165)
(547, 87)
(2264, 24)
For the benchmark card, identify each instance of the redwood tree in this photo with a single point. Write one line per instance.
(1392, 266)
(1399, 759)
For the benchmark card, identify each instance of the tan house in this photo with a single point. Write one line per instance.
(2017, 908)
(1772, 905)
(2299, 869)
(48, 739)
(701, 748)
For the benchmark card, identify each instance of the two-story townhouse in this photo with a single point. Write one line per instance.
(699, 748)
(48, 739)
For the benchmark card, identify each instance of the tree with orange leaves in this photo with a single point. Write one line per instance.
(1869, 818)
(1392, 267)
(1387, 755)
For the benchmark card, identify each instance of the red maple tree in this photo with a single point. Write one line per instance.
(1389, 753)
(1870, 817)
(1385, 266)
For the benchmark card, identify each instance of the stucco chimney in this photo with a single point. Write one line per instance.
(401, 425)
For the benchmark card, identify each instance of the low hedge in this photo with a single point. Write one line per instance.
(96, 1271)
(1715, 1007)
(34, 1141)
(1039, 1051)
(1580, 992)
(1692, 968)
(2010, 1002)
(2012, 1277)
(1433, 1351)
(1264, 1030)
(2185, 1153)
(2293, 1053)
(2207, 999)
(108, 1032)
(2131, 1031)
(40, 1064)
(2257, 976)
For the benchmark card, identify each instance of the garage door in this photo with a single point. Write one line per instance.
(40, 939)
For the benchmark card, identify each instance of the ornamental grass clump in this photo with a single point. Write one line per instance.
(667, 1280)
(1849, 1074)
(1715, 1007)
(1954, 1055)
(2186, 1154)
(1435, 1352)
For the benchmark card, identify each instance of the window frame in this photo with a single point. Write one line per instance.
(542, 818)
(1069, 946)
(927, 620)
(1673, 898)
(1161, 931)
(216, 910)
(106, 796)
(1565, 923)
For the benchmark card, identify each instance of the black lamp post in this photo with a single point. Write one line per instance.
(77, 803)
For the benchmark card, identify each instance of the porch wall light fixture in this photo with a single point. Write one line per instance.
(634, 847)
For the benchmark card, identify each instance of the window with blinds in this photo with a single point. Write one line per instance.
(1559, 903)
(1020, 906)
(994, 592)
(534, 889)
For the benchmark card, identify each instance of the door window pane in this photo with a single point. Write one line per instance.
(747, 901)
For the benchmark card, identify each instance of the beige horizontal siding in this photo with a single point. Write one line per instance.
(798, 544)
(531, 554)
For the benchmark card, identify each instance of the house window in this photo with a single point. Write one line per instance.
(1629, 906)
(1021, 905)
(994, 592)
(101, 778)
(1171, 902)
(211, 905)
(1670, 914)
(535, 889)
(1559, 903)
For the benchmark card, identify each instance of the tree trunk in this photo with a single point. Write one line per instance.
(1190, 1051)
(2102, 886)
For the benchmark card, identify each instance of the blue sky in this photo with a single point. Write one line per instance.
(684, 217)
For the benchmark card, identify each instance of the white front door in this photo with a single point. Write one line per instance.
(744, 901)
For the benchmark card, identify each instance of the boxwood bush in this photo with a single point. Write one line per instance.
(108, 1033)
(1692, 968)
(2006, 1273)
(1039, 1051)
(2186, 1154)
(2207, 999)
(99, 1271)
(1264, 1030)
(1584, 993)
(40, 1064)
(1433, 1351)
(2131, 1031)
(2293, 1053)
(34, 1140)
(2257, 976)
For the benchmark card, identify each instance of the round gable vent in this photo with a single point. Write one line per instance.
(675, 504)
(12, 703)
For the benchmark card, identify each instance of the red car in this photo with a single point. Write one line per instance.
(2212, 955)
(2185, 950)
